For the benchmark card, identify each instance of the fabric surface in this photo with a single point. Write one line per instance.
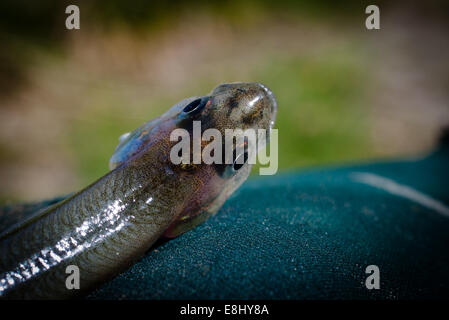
(310, 235)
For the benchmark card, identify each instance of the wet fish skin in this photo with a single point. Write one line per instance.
(107, 226)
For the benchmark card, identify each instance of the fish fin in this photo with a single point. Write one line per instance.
(185, 224)
(133, 142)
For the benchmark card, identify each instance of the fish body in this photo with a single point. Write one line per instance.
(107, 226)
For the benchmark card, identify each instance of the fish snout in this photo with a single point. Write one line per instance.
(248, 105)
(270, 103)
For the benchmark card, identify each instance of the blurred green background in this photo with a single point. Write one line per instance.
(345, 94)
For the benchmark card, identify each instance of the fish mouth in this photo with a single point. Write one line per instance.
(273, 102)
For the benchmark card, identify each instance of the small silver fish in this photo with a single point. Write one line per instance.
(106, 227)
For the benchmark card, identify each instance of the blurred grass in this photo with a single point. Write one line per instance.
(320, 119)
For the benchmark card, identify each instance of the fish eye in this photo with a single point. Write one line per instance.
(195, 106)
(239, 161)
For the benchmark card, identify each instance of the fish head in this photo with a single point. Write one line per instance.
(206, 186)
(236, 107)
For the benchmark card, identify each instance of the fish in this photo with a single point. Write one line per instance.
(109, 225)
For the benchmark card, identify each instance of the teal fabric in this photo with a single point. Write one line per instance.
(308, 235)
